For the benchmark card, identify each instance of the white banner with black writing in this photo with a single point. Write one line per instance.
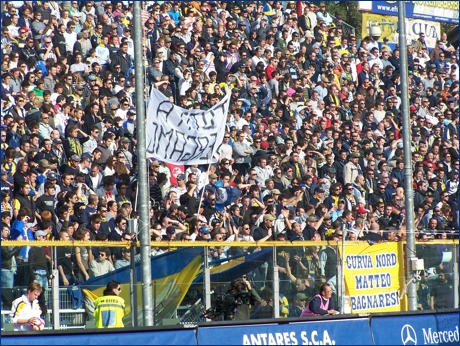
(183, 136)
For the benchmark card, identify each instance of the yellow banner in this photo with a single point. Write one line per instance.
(388, 30)
(414, 26)
(374, 277)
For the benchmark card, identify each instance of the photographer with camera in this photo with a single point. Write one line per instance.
(236, 303)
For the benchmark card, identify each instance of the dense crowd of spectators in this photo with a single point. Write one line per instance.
(313, 139)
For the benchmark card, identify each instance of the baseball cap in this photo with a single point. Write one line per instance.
(180, 176)
(51, 176)
(75, 157)
(125, 140)
(92, 77)
(269, 217)
(44, 163)
(300, 296)
(276, 192)
(362, 210)
(40, 234)
(170, 230)
(204, 230)
(318, 189)
(155, 164)
(57, 141)
(312, 219)
(183, 209)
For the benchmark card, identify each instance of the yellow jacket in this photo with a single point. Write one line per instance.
(109, 312)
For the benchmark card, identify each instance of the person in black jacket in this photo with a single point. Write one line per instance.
(38, 263)
(23, 199)
(121, 57)
(8, 254)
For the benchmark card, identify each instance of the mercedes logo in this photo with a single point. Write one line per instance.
(408, 335)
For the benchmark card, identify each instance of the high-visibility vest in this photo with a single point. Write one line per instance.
(109, 312)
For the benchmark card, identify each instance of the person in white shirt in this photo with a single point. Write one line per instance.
(264, 172)
(101, 265)
(91, 143)
(375, 59)
(102, 52)
(225, 150)
(241, 234)
(180, 188)
(257, 58)
(79, 66)
(185, 82)
(70, 36)
(127, 35)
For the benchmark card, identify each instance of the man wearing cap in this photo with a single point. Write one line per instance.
(180, 188)
(76, 98)
(321, 14)
(73, 167)
(204, 234)
(300, 300)
(169, 235)
(352, 169)
(125, 151)
(452, 183)
(318, 196)
(265, 231)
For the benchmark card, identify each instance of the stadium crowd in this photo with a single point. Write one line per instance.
(313, 145)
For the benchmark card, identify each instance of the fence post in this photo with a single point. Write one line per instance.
(207, 279)
(276, 285)
(55, 290)
(133, 285)
(455, 269)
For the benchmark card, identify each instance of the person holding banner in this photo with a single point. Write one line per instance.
(321, 304)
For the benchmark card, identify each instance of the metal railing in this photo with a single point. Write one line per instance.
(271, 277)
(347, 29)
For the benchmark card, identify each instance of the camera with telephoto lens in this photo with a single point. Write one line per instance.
(227, 304)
